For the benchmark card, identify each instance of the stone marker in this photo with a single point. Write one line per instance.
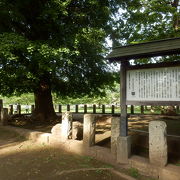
(4, 116)
(56, 130)
(89, 128)
(157, 143)
(123, 149)
(77, 130)
(115, 133)
(66, 127)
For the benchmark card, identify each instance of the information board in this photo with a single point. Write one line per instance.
(157, 84)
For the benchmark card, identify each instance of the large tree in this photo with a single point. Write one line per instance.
(54, 45)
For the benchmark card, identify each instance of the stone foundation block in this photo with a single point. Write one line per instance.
(123, 149)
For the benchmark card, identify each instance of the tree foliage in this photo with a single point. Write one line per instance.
(57, 44)
(147, 20)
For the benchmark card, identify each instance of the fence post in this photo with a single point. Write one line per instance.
(132, 109)
(158, 143)
(85, 108)
(177, 109)
(32, 108)
(4, 116)
(89, 129)
(112, 109)
(76, 108)
(68, 107)
(142, 109)
(10, 109)
(1, 106)
(60, 108)
(18, 109)
(103, 109)
(94, 109)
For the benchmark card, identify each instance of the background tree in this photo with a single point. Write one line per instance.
(147, 20)
(54, 45)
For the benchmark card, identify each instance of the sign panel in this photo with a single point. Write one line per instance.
(157, 84)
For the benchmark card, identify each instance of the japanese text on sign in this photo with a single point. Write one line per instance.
(158, 84)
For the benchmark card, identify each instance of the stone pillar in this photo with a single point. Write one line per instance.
(66, 127)
(158, 143)
(123, 149)
(89, 129)
(4, 116)
(115, 133)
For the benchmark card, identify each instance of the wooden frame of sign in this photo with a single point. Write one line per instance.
(161, 75)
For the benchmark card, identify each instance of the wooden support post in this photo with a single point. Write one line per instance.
(112, 109)
(76, 108)
(123, 141)
(68, 107)
(94, 108)
(60, 108)
(85, 108)
(18, 109)
(103, 109)
(123, 118)
(142, 109)
(11, 109)
(132, 109)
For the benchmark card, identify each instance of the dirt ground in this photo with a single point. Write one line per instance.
(22, 159)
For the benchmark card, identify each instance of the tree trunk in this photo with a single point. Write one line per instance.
(44, 110)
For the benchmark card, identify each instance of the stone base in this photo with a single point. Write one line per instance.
(123, 149)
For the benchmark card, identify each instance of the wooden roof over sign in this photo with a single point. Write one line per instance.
(145, 50)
